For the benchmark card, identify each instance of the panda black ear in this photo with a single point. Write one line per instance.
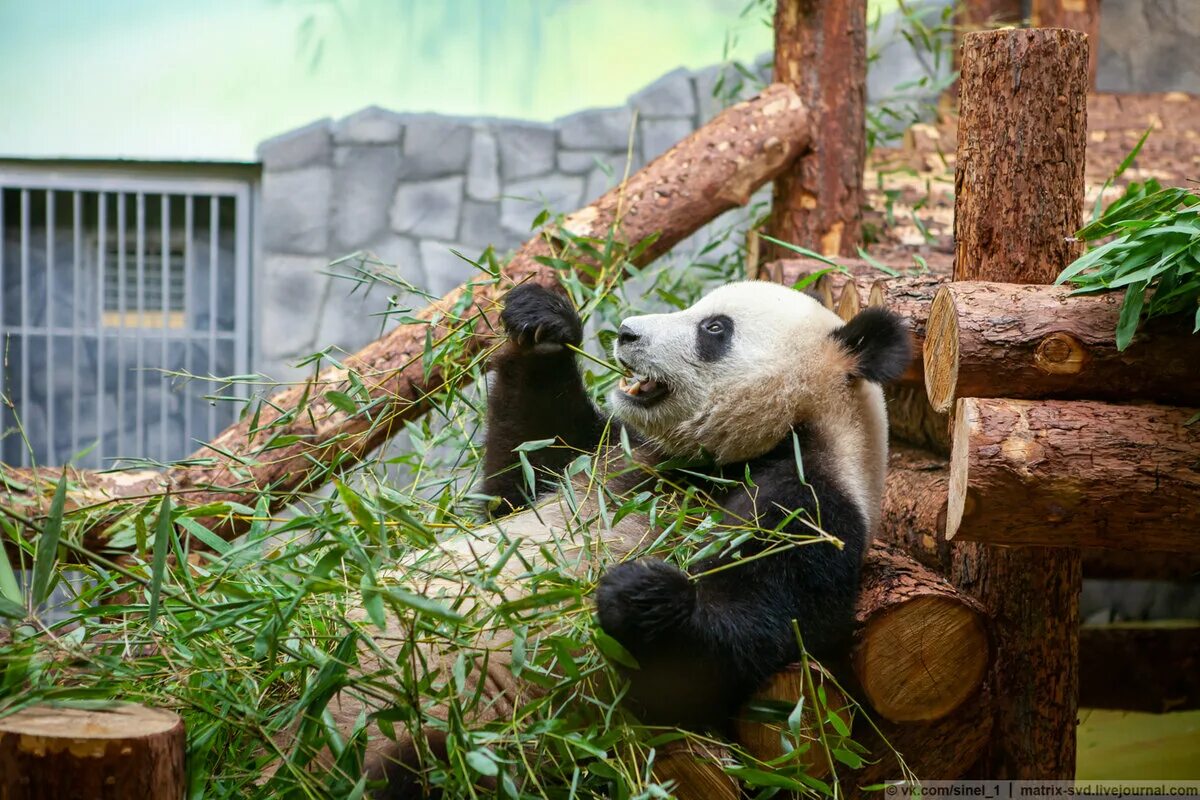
(879, 343)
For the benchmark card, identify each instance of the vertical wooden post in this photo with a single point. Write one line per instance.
(127, 752)
(821, 51)
(1078, 15)
(1019, 186)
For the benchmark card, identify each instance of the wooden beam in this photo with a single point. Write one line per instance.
(1009, 340)
(1074, 473)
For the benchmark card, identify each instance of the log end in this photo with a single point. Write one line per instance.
(764, 740)
(920, 660)
(958, 503)
(696, 770)
(849, 303)
(940, 351)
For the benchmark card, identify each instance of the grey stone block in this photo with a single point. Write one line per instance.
(443, 269)
(584, 161)
(671, 95)
(481, 226)
(428, 208)
(353, 314)
(596, 129)
(434, 146)
(524, 200)
(660, 135)
(398, 256)
(364, 184)
(734, 88)
(303, 147)
(526, 150)
(370, 125)
(292, 293)
(296, 210)
(483, 167)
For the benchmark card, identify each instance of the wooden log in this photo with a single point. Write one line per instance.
(1021, 141)
(1073, 474)
(914, 520)
(940, 750)
(1008, 340)
(764, 739)
(127, 752)
(1078, 15)
(850, 300)
(821, 51)
(922, 647)
(1019, 180)
(696, 769)
(1140, 667)
(301, 435)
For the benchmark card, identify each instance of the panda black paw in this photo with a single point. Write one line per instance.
(536, 315)
(642, 602)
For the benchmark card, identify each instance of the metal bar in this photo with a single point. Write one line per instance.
(120, 327)
(50, 455)
(139, 333)
(214, 224)
(21, 405)
(73, 179)
(5, 384)
(241, 298)
(189, 223)
(76, 281)
(166, 309)
(101, 244)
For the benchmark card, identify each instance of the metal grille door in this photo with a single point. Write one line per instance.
(115, 289)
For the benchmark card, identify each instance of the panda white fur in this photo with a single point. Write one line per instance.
(755, 377)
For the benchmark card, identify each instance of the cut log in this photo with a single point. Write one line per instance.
(764, 740)
(850, 301)
(913, 421)
(1073, 474)
(922, 646)
(1078, 15)
(821, 51)
(1021, 141)
(301, 436)
(1008, 340)
(1019, 180)
(697, 770)
(933, 751)
(126, 752)
(1140, 667)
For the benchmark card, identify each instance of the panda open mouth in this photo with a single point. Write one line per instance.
(643, 391)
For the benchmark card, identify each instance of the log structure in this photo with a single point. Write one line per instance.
(697, 770)
(1019, 181)
(1079, 15)
(922, 647)
(1008, 340)
(1140, 666)
(1075, 473)
(126, 752)
(821, 51)
(301, 436)
(764, 740)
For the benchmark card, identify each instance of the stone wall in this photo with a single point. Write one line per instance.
(1149, 46)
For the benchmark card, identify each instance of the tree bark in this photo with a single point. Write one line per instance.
(1007, 340)
(922, 647)
(1018, 198)
(1021, 139)
(1075, 474)
(1137, 667)
(1078, 15)
(301, 436)
(821, 51)
(128, 752)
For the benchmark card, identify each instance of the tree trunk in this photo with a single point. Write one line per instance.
(300, 435)
(821, 51)
(1007, 340)
(1078, 15)
(1075, 474)
(1021, 141)
(922, 647)
(1140, 667)
(127, 752)
(1018, 197)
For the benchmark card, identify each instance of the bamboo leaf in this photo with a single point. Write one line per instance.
(162, 534)
(47, 544)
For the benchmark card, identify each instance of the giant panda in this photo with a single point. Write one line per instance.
(757, 399)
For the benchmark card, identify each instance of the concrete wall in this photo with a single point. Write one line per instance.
(1149, 46)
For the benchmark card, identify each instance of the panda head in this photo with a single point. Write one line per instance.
(733, 374)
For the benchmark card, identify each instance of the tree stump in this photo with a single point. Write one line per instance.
(126, 752)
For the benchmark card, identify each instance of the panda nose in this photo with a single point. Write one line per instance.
(626, 335)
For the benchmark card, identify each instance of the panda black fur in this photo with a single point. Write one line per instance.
(750, 376)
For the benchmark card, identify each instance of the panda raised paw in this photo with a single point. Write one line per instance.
(642, 602)
(534, 315)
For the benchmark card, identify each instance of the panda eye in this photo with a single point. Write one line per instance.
(715, 327)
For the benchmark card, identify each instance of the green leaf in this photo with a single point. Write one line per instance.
(162, 533)
(9, 588)
(536, 444)
(358, 509)
(341, 401)
(421, 605)
(1131, 312)
(614, 650)
(804, 251)
(481, 761)
(47, 544)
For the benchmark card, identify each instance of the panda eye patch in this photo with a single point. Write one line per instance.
(715, 337)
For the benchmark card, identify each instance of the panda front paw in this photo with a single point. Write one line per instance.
(536, 315)
(642, 602)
